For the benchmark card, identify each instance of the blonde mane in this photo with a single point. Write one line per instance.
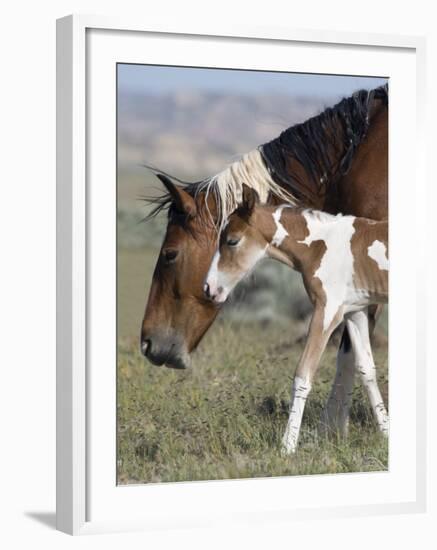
(227, 185)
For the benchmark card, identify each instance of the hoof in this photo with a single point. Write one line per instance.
(333, 430)
(288, 449)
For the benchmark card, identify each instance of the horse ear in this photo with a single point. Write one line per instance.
(182, 200)
(250, 199)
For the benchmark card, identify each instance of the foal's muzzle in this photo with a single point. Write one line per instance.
(214, 293)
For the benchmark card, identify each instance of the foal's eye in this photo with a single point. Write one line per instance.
(232, 242)
(170, 256)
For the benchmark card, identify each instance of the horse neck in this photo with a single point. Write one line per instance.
(284, 228)
(309, 159)
(317, 178)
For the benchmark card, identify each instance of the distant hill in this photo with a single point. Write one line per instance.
(196, 135)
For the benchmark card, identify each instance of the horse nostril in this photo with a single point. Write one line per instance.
(207, 290)
(145, 346)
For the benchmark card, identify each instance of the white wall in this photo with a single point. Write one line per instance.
(27, 299)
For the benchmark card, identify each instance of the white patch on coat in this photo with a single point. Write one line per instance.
(337, 265)
(281, 232)
(378, 252)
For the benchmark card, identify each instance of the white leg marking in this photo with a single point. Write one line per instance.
(358, 328)
(378, 252)
(281, 232)
(301, 389)
(337, 266)
(336, 415)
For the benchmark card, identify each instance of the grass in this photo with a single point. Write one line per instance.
(224, 417)
(134, 272)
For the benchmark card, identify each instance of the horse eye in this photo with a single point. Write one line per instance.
(170, 255)
(232, 242)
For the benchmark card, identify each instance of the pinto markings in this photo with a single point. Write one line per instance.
(342, 280)
(337, 265)
(281, 232)
(378, 252)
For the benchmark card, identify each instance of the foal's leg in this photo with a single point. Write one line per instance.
(335, 417)
(306, 369)
(374, 313)
(357, 324)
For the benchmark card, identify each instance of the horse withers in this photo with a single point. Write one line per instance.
(344, 265)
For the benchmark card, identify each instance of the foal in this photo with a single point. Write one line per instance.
(344, 265)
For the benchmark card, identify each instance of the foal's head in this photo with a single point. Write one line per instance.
(242, 245)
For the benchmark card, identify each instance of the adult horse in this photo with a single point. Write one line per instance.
(336, 161)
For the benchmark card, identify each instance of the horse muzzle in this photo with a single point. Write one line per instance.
(214, 293)
(165, 350)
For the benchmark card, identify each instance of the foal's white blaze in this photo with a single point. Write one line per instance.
(337, 265)
(281, 232)
(378, 252)
(221, 281)
(211, 277)
(215, 279)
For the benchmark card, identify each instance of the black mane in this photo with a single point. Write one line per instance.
(338, 129)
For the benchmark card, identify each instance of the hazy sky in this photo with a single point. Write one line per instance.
(159, 80)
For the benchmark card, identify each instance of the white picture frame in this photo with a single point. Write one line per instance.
(75, 399)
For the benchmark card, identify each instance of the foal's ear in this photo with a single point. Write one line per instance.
(250, 199)
(183, 201)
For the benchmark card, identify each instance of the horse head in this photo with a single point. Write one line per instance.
(177, 313)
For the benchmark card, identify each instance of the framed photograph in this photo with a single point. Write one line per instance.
(198, 381)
